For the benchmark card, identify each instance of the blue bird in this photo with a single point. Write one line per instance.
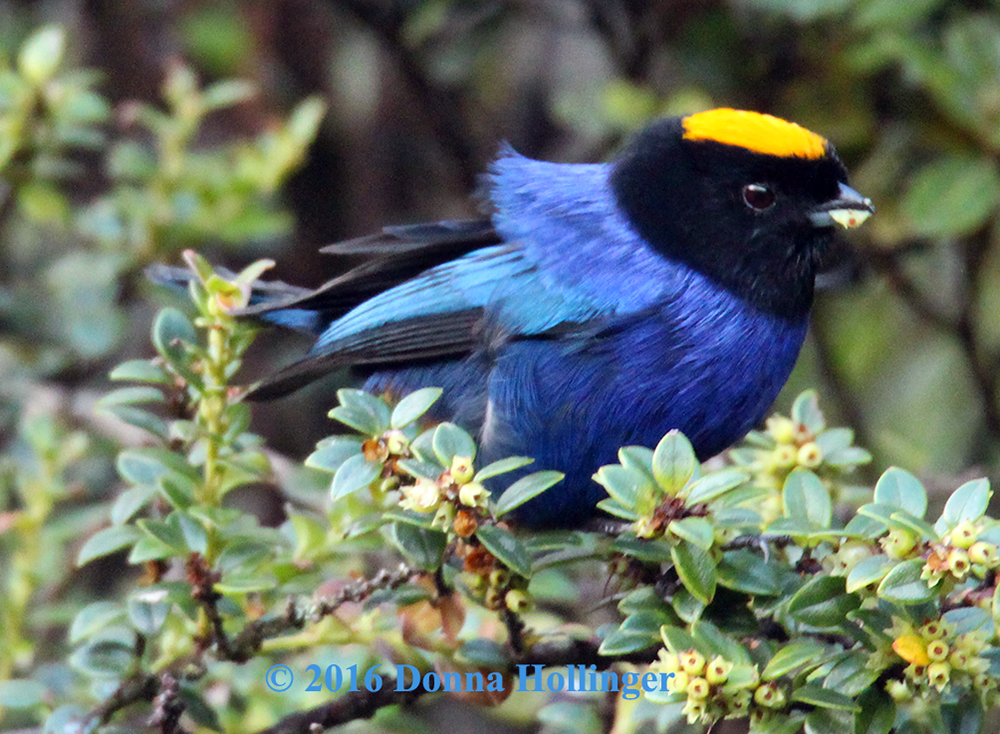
(602, 304)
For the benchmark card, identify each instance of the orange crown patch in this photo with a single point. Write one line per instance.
(756, 132)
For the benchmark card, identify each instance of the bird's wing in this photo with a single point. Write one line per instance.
(448, 311)
(395, 255)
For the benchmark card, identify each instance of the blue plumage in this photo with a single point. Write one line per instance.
(560, 332)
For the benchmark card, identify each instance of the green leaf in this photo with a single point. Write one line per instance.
(140, 370)
(903, 585)
(413, 406)
(714, 485)
(104, 658)
(823, 698)
(620, 642)
(130, 395)
(41, 55)
(506, 548)
(900, 489)
(168, 532)
(451, 441)
(696, 530)
(967, 503)
(674, 462)
(130, 502)
(234, 584)
(923, 529)
(140, 419)
(484, 653)
(652, 551)
(421, 546)
(354, 474)
(686, 606)
(148, 611)
(805, 410)
(696, 570)
(869, 571)
(804, 497)
(851, 675)
(171, 331)
(93, 618)
(502, 466)
(332, 454)
(526, 488)
(21, 694)
(106, 541)
(742, 570)
(806, 654)
(676, 639)
(362, 411)
(954, 195)
(712, 640)
(629, 487)
(821, 602)
(148, 465)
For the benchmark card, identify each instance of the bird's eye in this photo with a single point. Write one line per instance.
(758, 197)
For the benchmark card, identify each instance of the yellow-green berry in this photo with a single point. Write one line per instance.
(461, 469)
(932, 630)
(898, 543)
(958, 562)
(698, 688)
(784, 456)
(983, 553)
(937, 650)
(472, 494)
(718, 670)
(770, 696)
(964, 535)
(694, 709)
(692, 662)
(809, 455)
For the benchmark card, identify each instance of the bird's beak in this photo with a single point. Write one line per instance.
(849, 209)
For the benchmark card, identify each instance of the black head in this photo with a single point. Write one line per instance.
(746, 199)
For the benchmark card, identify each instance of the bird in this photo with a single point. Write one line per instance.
(597, 305)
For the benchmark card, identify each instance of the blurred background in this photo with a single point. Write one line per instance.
(122, 143)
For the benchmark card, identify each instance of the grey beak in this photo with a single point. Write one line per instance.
(849, 209)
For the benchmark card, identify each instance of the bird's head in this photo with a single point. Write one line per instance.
(746, 199)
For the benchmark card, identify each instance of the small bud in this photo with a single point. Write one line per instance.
(718, 670)
(492, 598)
(692, 662)
(424, 496)
(499, 577)
(694, 709)
(937, 650)
(770, 696)
(516, 601)
(810, 455)
(739, 702)
(461, 469)
(667, 662)
(983, 553)
(698, 688)
(782, 429)
(899, 690)
(784, 456)
(938, 675)
(932, 630)
(473, 494)
(396, 442)
(678, 682)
